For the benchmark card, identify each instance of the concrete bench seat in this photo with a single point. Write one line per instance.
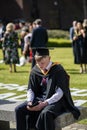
(7, 115)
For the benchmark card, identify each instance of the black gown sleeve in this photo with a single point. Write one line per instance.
(63, 82)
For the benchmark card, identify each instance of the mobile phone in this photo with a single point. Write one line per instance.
(34, 104)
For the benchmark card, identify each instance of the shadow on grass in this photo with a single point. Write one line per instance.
(3, 68)
(21, 71)
(73, 71)
(56, 44)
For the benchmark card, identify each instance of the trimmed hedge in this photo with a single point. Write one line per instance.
(58, 38)
(58, 34)
(59, 42)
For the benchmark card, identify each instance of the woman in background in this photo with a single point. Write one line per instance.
(79, 48)
(10, 44)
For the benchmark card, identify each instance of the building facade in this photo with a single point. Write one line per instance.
(56, 14)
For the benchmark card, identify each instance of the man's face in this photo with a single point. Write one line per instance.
(43, 63)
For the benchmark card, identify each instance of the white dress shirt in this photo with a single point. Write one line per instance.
(54, 98)
(26, 41)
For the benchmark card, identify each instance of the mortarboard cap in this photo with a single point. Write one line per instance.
(41, 52)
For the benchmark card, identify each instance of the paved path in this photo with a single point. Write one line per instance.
(76, 92)
(75, 126)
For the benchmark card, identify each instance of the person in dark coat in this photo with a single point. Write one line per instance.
(48, 95)
(85, 44)
(39, 38)
(79, 47)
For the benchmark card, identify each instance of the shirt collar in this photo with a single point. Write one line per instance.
(49, 65)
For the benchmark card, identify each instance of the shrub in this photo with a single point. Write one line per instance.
(58, 34)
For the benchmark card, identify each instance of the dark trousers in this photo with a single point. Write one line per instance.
(42, 120)
(25, 119)
(33, 57)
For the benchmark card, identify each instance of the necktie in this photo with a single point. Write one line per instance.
(44, 82)
(45, 70)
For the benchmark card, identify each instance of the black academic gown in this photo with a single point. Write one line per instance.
(56, 77)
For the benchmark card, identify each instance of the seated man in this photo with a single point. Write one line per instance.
(48, 95)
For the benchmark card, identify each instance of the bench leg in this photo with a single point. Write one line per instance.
(4, 125)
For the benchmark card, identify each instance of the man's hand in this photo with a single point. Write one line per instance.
(38, 107)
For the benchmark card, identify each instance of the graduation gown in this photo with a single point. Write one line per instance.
(56, 77)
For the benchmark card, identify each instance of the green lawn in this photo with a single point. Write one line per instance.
(63, 56)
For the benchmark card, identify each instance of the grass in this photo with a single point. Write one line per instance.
(59, 42)
(63, 56)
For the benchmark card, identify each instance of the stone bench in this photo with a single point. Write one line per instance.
(7, 115)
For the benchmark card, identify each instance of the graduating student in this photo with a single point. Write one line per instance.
(48, 95)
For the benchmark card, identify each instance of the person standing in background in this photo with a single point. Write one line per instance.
(85, 44)
(2, 31)
(72, 30)
(79, 48)
(39, 38)
(26, 49)
(10, 46)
